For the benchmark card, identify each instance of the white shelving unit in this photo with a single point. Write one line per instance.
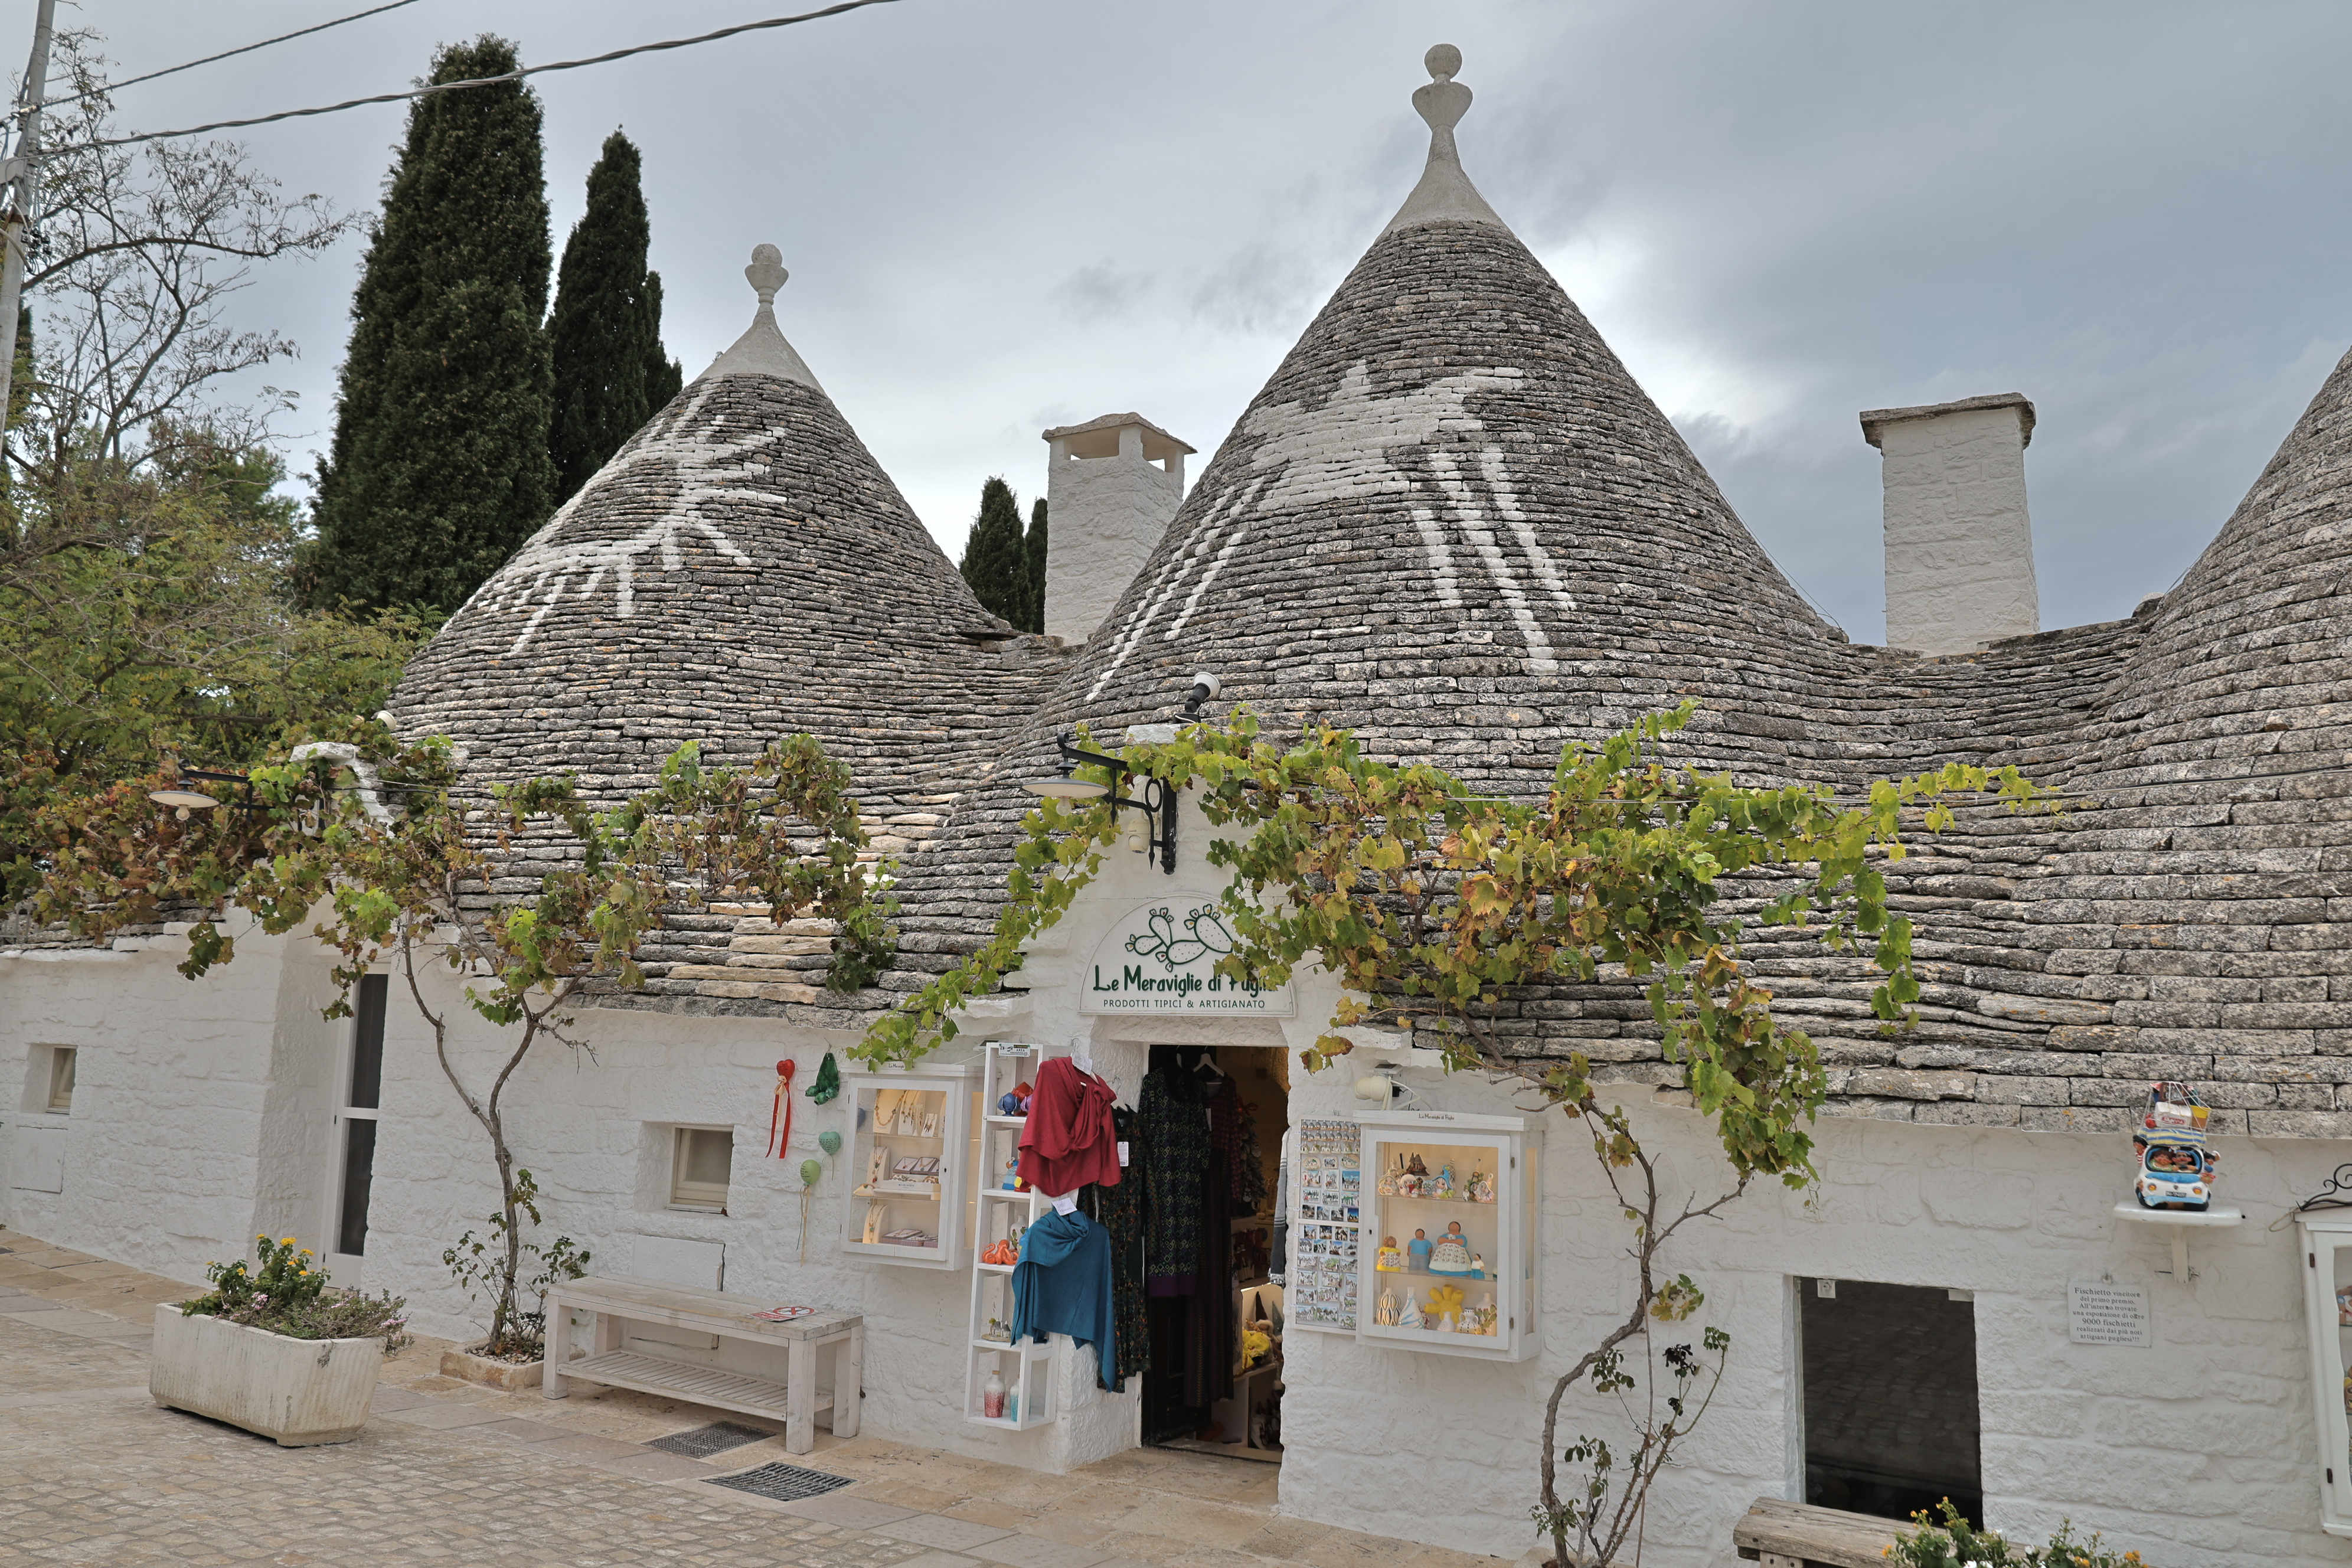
(1004, 1212)
(2327, 1295)
(902, 1120)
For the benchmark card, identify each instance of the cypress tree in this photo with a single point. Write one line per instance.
(439, 466)
(1033, 549)
(995, 561)
(662, 376)
(604, 335)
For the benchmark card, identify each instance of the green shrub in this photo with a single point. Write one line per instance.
(289, 1294)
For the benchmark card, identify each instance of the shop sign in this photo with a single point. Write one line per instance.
(1162, 957)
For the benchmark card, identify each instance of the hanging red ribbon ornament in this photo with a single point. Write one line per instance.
(780, 1117)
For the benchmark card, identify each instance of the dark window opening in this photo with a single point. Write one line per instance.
(367, 1042)
(359, 1175)
(1890, 1392)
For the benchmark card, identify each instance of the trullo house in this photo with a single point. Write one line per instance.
(1453, 521)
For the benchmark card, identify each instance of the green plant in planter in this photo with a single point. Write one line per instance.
(289, 1294)
(1953, 1543)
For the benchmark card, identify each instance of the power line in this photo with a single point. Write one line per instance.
(492, 80)
(225, 54)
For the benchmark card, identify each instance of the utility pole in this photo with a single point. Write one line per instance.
(21, 173)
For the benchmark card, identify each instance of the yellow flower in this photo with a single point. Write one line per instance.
(285, 1241)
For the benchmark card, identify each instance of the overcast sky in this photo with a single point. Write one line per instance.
(1003, 215)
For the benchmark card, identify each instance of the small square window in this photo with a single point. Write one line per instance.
(61, 1078)
(701, 1159)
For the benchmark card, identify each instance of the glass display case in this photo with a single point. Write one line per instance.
(909, 1159)
(2328, 1278)
(1445, 1252)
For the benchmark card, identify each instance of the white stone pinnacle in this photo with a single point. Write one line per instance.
(1445, 193)
(762, 349)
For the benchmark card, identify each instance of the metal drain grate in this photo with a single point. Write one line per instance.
(704, 1441)
(785, 1483)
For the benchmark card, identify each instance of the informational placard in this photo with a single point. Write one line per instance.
(2102, 1312)
(1162, 957)
(1326, 1225)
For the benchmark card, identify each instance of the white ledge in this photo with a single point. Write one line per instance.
(2132, 1211)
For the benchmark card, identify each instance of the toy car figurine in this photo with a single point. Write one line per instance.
(2175, 1168)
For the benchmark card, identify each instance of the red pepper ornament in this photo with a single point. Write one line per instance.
(779, 1116)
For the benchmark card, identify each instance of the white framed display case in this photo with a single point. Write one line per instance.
(910, 1155)
(1445, 1255)
(2327, 1296)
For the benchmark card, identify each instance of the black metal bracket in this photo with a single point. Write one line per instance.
(2335, 1194)
(1159, 801)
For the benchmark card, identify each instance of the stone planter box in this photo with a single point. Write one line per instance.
(300, 1392)
(509, 1375)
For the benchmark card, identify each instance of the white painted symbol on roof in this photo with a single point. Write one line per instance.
(541, 570)
(1354, 444)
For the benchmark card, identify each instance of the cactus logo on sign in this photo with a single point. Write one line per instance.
(1162, 957)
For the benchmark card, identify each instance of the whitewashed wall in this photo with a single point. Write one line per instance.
(163, 1147)
(200, 1106)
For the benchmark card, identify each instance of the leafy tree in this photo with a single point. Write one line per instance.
(1429, 900)
(604, 336)
(144, 614)
(440, 467)
(137, 253)
(144, 554)
(1033, 551)
(310, 839)
(995, 558)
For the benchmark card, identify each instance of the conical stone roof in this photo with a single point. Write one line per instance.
(740, 570)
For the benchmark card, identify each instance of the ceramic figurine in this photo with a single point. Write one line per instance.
(1389, 1177)
(1444, 1306)
(1414, 1167)
(1384, 1311)
(1391, 1258)
(1418, 1249)
(1482, 1188)
(1014, 1101)
(1444, 1186)
(1451, 1253)
(1478, 1264)
(1012, 1182)
(1482, 1318)
(2176, 1170)
(1411, 1317)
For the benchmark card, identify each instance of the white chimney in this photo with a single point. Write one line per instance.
(1111, 490)
(1959, 545)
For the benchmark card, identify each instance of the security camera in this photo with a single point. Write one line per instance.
(1204, 685)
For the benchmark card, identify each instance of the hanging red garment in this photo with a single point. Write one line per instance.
(1068, 1141)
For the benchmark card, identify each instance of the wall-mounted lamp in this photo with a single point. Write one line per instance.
(1204, 685)
(182, 800)
(1159, 801)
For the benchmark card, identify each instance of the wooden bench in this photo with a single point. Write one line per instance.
(1796, 1535)
(796, 1401)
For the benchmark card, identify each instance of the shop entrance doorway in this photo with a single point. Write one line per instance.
(1209, 1123)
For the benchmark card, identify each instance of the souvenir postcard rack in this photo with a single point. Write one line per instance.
(1319, 1291)
(1014, 1381)
(910, 1160)
(1445, 1252)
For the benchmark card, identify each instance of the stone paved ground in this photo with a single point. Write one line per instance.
(92, 1471)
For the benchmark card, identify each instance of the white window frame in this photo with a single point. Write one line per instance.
(63, 1060)
(698, 1197)
(347, 1267)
